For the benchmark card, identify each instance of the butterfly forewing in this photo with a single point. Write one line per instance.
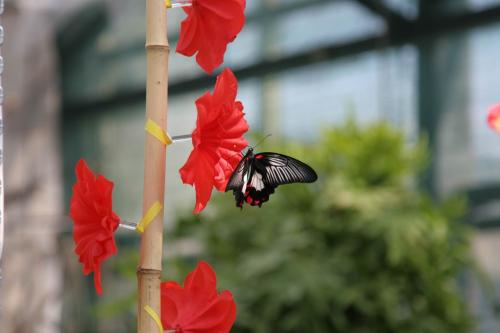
(236, 180)
(282, 169)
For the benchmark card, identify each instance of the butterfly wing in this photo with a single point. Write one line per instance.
(236, 180)
(268, 171)
(255, 197)
(257, 176)
(280, 169)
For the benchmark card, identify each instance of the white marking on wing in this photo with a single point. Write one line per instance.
(257, 182)
(245, 181)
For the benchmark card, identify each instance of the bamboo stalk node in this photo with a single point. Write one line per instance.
(148, 271)
(156, 46)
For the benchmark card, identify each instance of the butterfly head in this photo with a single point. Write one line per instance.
(249, 152)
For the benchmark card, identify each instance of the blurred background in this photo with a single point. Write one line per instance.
(387, 99)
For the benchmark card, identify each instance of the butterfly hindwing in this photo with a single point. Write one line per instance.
(253, 197)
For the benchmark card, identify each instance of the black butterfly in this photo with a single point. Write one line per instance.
(256, 176)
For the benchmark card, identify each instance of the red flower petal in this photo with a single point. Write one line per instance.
(494, 117)
(94, 221)
(217, 140)
(208, 28)
(197, 307)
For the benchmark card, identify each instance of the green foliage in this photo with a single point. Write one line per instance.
(361, 250)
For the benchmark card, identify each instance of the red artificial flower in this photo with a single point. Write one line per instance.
(208, 28)
(217, 140)
(494, 117)
(94, 221)
(196, 307)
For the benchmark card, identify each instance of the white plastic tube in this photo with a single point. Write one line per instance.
(182, 3)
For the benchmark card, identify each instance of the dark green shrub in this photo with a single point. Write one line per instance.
(361, 250)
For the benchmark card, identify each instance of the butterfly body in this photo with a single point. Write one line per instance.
(257, 175)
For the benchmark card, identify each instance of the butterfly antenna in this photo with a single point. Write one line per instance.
(240, 153)
(262, 140)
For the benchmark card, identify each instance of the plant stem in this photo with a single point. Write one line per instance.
(149, 270)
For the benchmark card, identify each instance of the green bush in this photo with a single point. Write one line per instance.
(361, 250)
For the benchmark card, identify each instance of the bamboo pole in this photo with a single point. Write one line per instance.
(149, 270)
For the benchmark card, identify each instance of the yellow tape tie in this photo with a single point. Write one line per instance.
(155, 130)
(154, 316)
(168, 3)
(149, 217)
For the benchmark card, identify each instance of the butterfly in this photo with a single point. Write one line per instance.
(257, 175)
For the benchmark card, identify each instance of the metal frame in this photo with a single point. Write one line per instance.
(399, 31)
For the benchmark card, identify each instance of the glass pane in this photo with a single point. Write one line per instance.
(250, 94)
(247, 48)
(324, 24)
(485, 80)
(482, 4)
(252, 6)
(408, 8)
(370, 87)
